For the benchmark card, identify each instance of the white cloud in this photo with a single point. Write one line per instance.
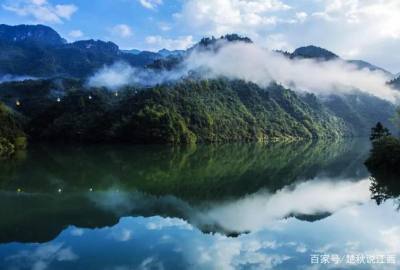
(164, 26)
(391, 238)
(380, 18)
(123, 235)
(179, 43)
(41, 10)
(121, 74)
(168, 223)
(263, 209)
(368, 26)
(151, 4)
(255, 64)
(121, 30)
(218, 17)
(301, 16)
(278, 42)
(112, 77)
(252, 63)
(75, 34)
(42, 257)
(77, 232)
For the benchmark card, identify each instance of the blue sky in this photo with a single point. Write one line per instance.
(354, 29)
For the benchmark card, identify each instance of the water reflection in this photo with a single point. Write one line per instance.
(118, 207)
(385, 186)
(170, 243)
(94, 186)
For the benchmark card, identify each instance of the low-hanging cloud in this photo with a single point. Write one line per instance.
(121, 74)
(252, 63)
(258, 65)
(15, 78)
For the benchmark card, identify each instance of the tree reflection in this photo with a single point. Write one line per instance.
(385, 186)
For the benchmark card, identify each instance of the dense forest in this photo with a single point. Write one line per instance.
(183, 113)
(12, 138)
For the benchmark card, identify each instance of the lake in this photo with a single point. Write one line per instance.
(305, 205)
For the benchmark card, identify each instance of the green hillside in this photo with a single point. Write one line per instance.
(11, 136)
(187, 112)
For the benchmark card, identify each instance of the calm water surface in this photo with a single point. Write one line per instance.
(241, 206)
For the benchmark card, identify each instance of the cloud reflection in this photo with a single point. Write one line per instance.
(42, 257)
(313, 200)
(309, 198)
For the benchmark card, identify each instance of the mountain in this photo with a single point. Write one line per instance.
(186, 112)
(96, 46)
(361, 112)
(320, 54)
(362, 64)
(39, 51)
(37, 34)
(214, 44)
(132, 51)
(174, 53)
(314, 52)
(395, 83)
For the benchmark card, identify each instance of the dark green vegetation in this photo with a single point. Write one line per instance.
(384, 164)
(396, 83)
(385, 155)
(314, 53)
(102, 183)
(187, 112)
(361, 112)
(12, 137)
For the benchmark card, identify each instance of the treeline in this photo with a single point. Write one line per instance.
(191, 111)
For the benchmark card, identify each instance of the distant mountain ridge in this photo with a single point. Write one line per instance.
(39, 34)
(314, 52)
(38, 50)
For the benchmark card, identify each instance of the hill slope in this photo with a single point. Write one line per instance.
(11, 136)
(186, 112)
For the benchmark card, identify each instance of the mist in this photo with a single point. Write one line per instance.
(255, 64)
(121, 74)
(258, 65)
(15, 78)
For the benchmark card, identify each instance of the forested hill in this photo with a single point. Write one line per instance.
(12, 137)
(187, 112)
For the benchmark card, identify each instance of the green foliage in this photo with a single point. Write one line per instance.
(378, 132)
(11, 136)
(384, 166)
(183, 113)
(385, 154)
(361, 111)
(194, 173)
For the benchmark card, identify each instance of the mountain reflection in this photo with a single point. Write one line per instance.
(94, 186)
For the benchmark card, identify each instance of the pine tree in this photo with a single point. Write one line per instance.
(378, 132)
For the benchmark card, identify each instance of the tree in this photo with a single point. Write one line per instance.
(378, 132)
